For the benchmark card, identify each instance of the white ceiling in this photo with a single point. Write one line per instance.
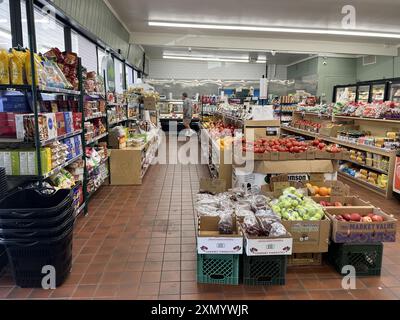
(281, 58)
(372, 15)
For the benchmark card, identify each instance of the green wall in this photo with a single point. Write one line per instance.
(384, 68)
(96, 17)
(336, 71)
(303, 69)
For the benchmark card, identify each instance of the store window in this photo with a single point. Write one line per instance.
(86, 50)
(49, 32)
(5, 25)
(119, 76)
(102, 64)
(129, 76)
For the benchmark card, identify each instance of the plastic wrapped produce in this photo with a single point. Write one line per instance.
(277, 230)
(259, 203)
(225, 225)
(252, 226)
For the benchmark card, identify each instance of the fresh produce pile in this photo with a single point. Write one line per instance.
(250, 207)
(307, 125)
(293, 205)
(292, 145)
(218, 129)
(356, 217)
(319, 109)
(316, 191)
(377, 110)
(275, 145)
(331, 204)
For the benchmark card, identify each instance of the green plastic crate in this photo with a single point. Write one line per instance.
(218, 269)
(265, 270)
(366, 258)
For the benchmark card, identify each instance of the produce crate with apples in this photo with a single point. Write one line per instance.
(366, 225)
(305, 259)
(304, 219)
(264, 270)
(217, 235)
(365, 258)
(218, 269)
(342, 201)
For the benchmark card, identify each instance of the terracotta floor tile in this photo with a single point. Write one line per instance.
(319, 295)
(64, 292)
(148, 289)
(189, 287)
(170, 276)
(298, 295)
(150, 277)
(19, 293)
(134, 266)
(111, 278)
(171, 266)
(106, 291)
(39, 294)
(153, 266)
(188, 275)
(85, 291)
(167, 288)
(341, 295)
(169, 297)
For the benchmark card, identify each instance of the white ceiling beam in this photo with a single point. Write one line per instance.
(266, 44)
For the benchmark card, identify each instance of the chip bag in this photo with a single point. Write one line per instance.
(17, 70)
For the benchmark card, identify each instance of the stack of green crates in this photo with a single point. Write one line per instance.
(365, 258)
(264, 270)
(218, 269)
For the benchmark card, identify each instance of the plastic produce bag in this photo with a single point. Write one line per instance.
(259, 203)
(277, 230)
(225, 225)
(252, 226)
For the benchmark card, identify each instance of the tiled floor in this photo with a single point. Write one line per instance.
(139, 243)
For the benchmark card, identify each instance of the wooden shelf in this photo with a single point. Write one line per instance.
(364, 184)
(367, 167)
(348, 144)
(367, 119)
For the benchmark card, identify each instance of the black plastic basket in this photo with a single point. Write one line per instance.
(35, 204)
(264, 270)
(3, 258)
(36, 223)
(365, 258)
(9, 235)
(28, 258)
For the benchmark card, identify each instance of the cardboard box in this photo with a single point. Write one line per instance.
(23, 163)
(338, 188)
(213, 186)
(50, 122)
(77, 121)
(355, 232)
(243, 179)
(263, 246)
(69, 125)
(60, 123)
(210, 241)
(296, 167)
(353, 202)
(343, 155)
(309, 236)
(269, 129)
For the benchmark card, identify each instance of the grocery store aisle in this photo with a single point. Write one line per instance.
(139, 243)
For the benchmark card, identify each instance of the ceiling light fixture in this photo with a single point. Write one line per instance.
(174, 57)
(276, 29)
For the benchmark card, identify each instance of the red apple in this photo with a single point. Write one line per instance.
(355, 217)
(377, 218)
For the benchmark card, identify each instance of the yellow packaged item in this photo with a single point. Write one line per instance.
(4, 67)
(38, 69)
(17, 70)
(364, 172)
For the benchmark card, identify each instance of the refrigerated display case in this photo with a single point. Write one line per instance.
(378, 92)
(363, 93)
(395, 91)
(345, 93)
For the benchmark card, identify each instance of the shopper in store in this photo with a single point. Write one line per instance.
(187, 114)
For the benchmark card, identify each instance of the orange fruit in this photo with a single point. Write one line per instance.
(323, 192)
(316, 189)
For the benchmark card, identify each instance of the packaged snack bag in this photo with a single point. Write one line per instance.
(4, 67)
(17, 70)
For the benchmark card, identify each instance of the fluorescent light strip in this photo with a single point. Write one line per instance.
(276, 29)
(204, 59)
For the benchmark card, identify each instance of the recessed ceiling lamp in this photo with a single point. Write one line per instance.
(276, 29)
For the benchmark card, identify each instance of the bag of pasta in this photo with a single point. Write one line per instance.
(4, 67)
(17, 70)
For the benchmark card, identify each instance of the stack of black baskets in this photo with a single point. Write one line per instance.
(3, 191)
(36, 230)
